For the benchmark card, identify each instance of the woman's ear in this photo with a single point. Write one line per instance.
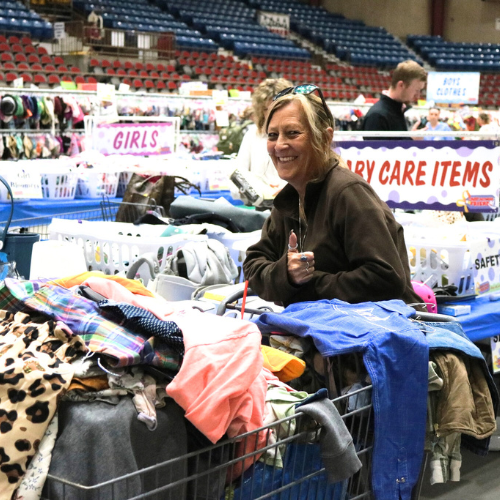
(329, 134)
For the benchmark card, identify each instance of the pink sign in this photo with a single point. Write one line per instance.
(135, 138)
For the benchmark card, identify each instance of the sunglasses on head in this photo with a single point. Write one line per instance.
(306, 89)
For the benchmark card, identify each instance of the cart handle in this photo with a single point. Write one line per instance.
(237, 294)
(437, 318)
(4, 234)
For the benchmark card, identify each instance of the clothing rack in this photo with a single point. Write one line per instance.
(32, 131)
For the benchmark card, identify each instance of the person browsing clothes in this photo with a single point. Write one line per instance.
(388, 113)
(252, 155)
(329, 236)
(434, 125)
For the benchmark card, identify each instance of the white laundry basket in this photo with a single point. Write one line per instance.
(95, 184)
(112, 247)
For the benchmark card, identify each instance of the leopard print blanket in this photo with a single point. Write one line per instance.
(34, 374)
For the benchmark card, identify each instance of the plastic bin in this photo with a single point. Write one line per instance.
(94, 184)
(113, 247)
(59, 186)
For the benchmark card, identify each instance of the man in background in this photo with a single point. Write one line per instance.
(408, 80)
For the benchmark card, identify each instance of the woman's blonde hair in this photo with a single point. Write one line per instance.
(318, 122)
(265, 91)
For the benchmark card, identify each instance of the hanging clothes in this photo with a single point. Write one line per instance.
(396, 355)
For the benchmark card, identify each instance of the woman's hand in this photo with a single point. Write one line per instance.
(300, 265)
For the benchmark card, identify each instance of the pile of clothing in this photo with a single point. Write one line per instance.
(91, 358)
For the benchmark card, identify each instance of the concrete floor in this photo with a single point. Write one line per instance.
(480, 480)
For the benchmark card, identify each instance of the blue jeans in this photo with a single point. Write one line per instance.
(396, 355)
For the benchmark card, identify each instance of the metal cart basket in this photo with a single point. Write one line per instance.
(209, 472)
(286, 467)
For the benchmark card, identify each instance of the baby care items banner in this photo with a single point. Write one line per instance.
(451, 175)
(141, 139)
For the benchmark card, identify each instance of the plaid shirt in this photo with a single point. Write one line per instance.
(83, 318)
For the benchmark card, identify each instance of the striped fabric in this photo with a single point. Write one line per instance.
(83, 318)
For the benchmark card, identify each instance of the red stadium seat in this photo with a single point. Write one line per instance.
(33, 58)
(10, 77)
(58, 60)
(38, 78)
(53, 80)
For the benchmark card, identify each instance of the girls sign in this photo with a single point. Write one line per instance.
(458, 175)
(141, 139)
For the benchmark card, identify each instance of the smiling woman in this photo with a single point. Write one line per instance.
(329, 235)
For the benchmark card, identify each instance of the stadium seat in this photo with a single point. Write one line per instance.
(10, 77)
(39, 79)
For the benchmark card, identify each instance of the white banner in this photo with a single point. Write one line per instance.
(464, 176)
(453, 88)
(275, 22)
(135, 138)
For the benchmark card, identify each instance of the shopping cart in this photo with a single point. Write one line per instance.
(285, 466)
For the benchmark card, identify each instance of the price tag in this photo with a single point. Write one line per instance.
(495, 353)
